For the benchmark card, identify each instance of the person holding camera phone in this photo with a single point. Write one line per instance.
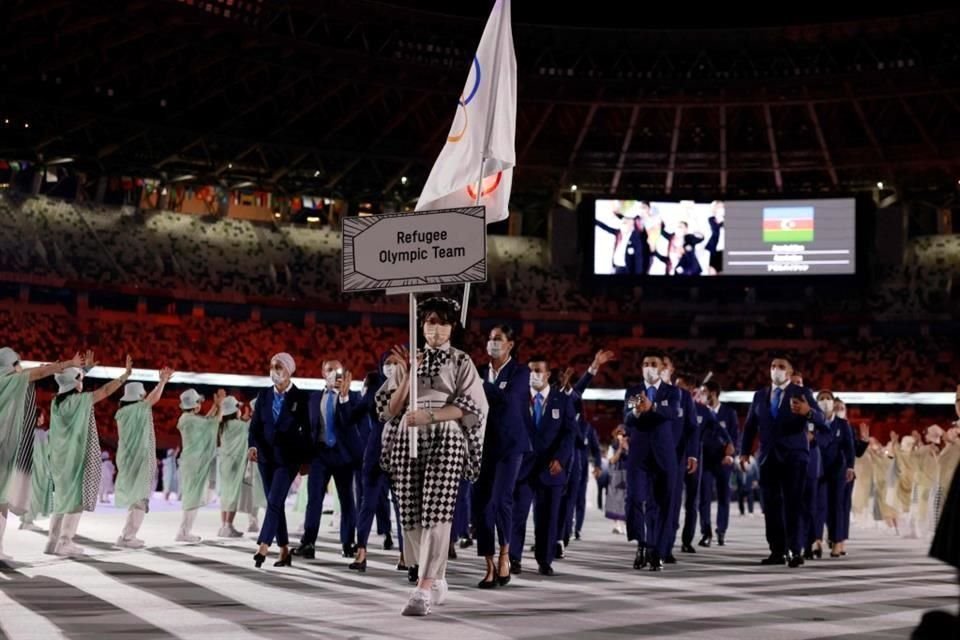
(335, 414)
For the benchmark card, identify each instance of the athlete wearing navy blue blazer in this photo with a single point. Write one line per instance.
(506, 383)
(689, 455)
(334, 416)
(551, 422)
(717, 468)
(837, 458)
(782, 415)
(280, 442)
(651, 410)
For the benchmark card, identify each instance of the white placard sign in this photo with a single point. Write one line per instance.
(417, 250)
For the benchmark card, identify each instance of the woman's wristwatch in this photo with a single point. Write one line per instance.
(433, 417)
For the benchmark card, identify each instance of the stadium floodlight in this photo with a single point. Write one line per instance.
(403, 180)
(316, 174)
(60, 161)
(313, 219)
(243, 185)
(879, 185)
(184, 177)
(573, 187)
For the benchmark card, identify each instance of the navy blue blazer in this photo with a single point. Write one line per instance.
(714, 437)
(553, 440)
(687, 428)
(653, 438)
(836, 446)
(508, 397)
(276, 441)
(347, 417)
(786, 435)
(727, 418)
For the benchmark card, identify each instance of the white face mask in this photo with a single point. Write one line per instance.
(331, 379)
(651, 375)
(826, 406)
(277, 377)
(666, 375)
(496, 348)
(538, 380)
(389, 370)
(778, 376)
(437, 335)
(842, 414)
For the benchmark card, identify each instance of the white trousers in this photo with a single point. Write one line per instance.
(189, 517)
(428, 548)
(134, 521)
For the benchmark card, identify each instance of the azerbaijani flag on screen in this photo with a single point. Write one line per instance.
(788, 224)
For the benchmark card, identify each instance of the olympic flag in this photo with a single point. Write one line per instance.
(480, 146)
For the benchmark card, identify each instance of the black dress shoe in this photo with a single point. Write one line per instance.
(401, 566)
(817, 553)
(503, 581)
(720, 541)
(656, 564)
(515, 567)
(558, 553)
(452, 552)
(487, 584)
(258, 559)
(388, 543)
(687, 548)
(306, 551)
(640, 560)
(576, 535)
(349, 550)
(705, 541)
(807, 554)
(796, 561)
(670, 559)
(466, 543)
(545, 570)
(285, 562)
(774, 559)
(413, 574)
(359, 566)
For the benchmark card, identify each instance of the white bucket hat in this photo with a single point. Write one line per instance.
(67, 380)
(229, 406)
(190, 399)
(8, 358)
(133, 392)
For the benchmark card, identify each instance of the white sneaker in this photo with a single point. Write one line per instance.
(130, 543)
(418, 604)
(183, 537)
(617, 530)
(224, 532)
(254, 527)
(29, 526)
(438, 592)
(69, 550)
(234, 533)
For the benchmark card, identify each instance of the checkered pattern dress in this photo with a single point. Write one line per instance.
(426, 486)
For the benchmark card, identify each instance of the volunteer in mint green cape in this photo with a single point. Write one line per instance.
(41, 479)
(75, 454)
(198, 435)
(233, 465)
(18, 417)
(137, 456)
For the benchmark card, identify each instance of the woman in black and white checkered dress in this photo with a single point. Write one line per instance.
(449, 426)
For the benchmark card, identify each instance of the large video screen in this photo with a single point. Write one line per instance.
(739, 237)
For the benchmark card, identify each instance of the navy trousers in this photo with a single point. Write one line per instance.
(546, 510)
(715, 482)
(580, 506)
(461, 513)
(650, 490)
(493, 502)
(323, 467)
(376, 490)
(781, 489)
(276, 485)
(691, 503)
(568, 499)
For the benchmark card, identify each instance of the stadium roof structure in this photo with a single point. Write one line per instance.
(347, 97)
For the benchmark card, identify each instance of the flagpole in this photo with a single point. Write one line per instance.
(412, 431)
(494, 79)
